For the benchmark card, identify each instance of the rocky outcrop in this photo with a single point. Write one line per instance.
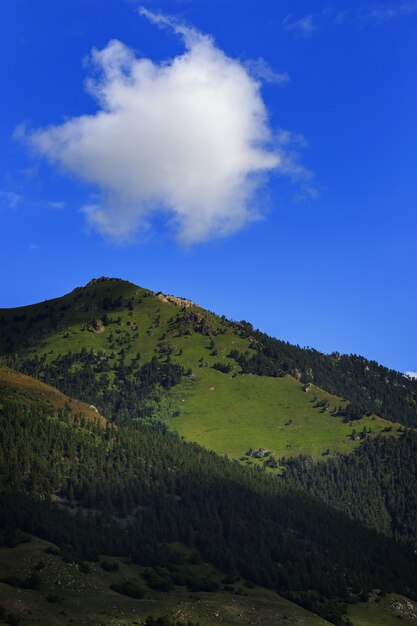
(175, 300)
(258, 453)
(96, 326)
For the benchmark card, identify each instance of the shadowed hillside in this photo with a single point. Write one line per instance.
(133, 490)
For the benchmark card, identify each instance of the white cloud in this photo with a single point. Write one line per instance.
(380, 13)
(305, 25)
(370, 14)
(189, 137)
(10, 199)
(411, 374)
(260, 70)
(56, 204)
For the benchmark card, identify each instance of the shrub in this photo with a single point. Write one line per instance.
(195, 558)
(84, 567)
(52, 598)
(159, 579)
(128, 588)
(225, 368)
(109, 567)
(202, 584)
(31, 582)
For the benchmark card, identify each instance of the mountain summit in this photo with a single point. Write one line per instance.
(305, 496)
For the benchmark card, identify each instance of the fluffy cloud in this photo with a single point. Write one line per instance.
(411, 374)
(189, 138)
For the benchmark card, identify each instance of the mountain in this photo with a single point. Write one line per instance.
(320, 508)
(179, 514)
(122, 347)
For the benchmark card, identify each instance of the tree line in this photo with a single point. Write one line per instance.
(365, 383)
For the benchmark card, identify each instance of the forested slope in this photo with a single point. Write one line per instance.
(144, 488)
(324, 534)
(376, 485)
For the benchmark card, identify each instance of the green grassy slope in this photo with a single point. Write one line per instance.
(231, 415)
(226, 412)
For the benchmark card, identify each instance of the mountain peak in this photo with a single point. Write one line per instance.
(95, 281)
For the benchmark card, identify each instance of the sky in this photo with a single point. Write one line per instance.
(259, 158)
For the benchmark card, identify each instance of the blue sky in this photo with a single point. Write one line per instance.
(262, 161)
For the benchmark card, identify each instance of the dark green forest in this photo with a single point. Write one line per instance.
(376, 485)
(132, 489)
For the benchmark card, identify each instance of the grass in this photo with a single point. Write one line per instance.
(86, 598)
(227, 413)
(393, 609)
(230, 415)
